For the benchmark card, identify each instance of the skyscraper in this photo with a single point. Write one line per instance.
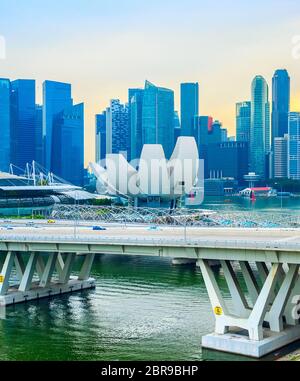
(227, 159)
(189, 100)
(135, 120)
(158, 117)
(100, 136)
(23, 122)
(177, 126)
(243, 121)
(117, 128)
(135, 104)
(68, 144)
(207, 131)
(281, 157)
(294, 146)
(56, 97)
(38, 134)
(280, 104)
(5, 91)
(260, 126)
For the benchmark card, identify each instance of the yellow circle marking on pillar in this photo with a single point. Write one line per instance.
(218, 311)
(1, 278)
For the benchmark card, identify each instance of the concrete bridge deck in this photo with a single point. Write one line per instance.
(81, 237)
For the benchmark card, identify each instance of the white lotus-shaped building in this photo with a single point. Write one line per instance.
(152, 178)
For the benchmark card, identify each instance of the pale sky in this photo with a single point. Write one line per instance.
(103, 47)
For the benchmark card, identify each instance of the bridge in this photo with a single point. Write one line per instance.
(38, 261)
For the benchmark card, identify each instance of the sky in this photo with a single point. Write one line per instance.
(103, 47)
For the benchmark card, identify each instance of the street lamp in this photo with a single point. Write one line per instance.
(75, 215)
(281, 195)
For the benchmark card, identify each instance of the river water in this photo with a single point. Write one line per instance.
(142, 309)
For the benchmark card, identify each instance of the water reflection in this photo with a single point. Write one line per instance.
(142, 308)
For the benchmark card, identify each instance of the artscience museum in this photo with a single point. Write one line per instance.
(153, 180)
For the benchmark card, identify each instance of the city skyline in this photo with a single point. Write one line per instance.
(101, 61)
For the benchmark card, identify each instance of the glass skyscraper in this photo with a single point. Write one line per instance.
(23, 122)
(177, 126)
(280, 104)
(136, 97)
(100, 136)
(207, 131)
(294, 146)
(243, 121)
(56, 97)
(117, 128)
(5, 92)
(68, 144)
(189, 101)
(260, 126)
(38, 134)
(158, 117)
(281, 157)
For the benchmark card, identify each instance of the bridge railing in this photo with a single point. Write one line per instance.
(159, 241)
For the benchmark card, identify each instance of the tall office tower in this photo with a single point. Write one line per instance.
(177, 126)
(68, 144)
(23, 122)
(207, 131)
(158, 117)
(117, 128)
(189, 104)
(260, 127)
(100, 136)
(38, 143)
(224, 134)
(280, 104)
(281, 157)
(5, 155)
(243, 121)
(294, 146)
(56, 97)
(135, 121)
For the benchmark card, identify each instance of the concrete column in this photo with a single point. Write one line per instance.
(239, 301)
(279, 304)
(256, 318)
(59, 265)
(67, 268)
(29, 271)
(292, 309)
(20, 266)
(86, 267)
(40, 266)
(217, 302)
(49, 268)
(250, 281)
(6, 271)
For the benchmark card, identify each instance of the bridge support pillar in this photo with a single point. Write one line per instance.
(44, 275)
(260, 327)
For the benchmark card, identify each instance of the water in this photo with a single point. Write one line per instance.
(142, 309)
(275, 205)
